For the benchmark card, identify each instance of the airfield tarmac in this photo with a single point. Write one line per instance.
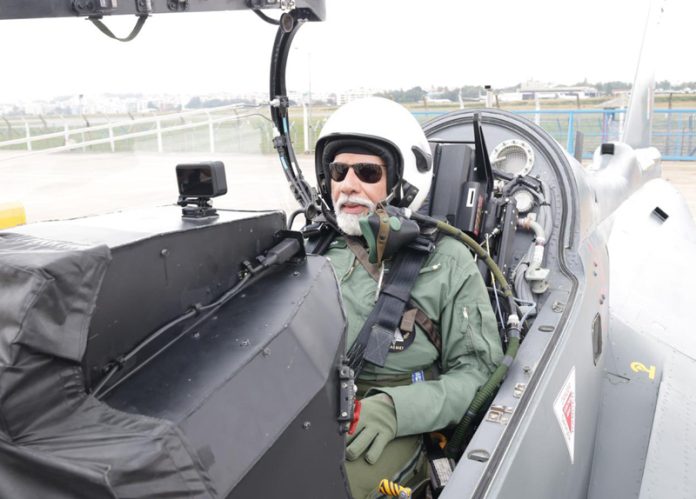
(70, 185)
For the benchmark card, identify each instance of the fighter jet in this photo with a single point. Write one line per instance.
(190, 351)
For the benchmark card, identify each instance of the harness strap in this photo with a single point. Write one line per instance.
(361, 254)
(318, 239)
(431, 330)
(104, 29)
(377, 333)
(414, 313)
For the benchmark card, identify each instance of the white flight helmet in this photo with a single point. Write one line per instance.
(388, 130)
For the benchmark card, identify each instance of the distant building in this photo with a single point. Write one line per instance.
(533, 90)
(437, 98)
(510, 96)
(354, 94)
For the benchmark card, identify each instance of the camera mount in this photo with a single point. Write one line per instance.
(198, 184)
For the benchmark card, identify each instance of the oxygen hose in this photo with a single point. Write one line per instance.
(455, 445)
(471, 243)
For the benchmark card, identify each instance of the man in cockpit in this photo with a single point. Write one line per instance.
(374, 151)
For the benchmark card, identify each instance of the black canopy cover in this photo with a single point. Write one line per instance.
(209, 412)
(55, 440)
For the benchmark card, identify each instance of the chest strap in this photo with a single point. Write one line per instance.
(413, 314)
(377, 333)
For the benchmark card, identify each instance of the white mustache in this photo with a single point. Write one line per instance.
(353, 199)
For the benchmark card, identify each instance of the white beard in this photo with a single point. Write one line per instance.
(349, 223)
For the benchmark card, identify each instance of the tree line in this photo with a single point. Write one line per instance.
(417, 94)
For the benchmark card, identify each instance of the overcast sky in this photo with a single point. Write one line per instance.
(363, 43)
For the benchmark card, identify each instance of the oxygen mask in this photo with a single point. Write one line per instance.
(386, 230)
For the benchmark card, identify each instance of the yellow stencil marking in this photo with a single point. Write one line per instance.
(639, 367)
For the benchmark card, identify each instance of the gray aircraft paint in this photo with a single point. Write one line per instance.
(620, 279)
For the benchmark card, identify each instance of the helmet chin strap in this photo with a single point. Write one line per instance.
(409, 194)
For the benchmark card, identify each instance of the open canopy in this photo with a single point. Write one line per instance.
(313, 10)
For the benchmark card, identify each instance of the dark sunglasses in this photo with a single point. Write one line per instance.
(370, 173)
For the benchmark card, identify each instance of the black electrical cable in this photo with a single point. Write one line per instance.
(211, 308)
(266, 18)
(280, 253)
(118, 364)
(293, 215)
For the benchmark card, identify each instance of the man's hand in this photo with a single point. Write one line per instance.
(376, 428)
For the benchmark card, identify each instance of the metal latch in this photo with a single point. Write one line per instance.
(143, 7)
(519, 390)
(346, 400)
(499, 414)
(284, 5)
(94, 7)
(287, 5)
(177, 5)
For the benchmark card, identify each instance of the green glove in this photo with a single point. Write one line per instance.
(376, 428)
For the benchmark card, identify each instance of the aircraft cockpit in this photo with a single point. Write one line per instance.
(512, 197)
(194, 351)
(517, 197)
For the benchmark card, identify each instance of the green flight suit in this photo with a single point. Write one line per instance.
(452, 294)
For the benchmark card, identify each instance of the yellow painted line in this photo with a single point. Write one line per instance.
(11, 215)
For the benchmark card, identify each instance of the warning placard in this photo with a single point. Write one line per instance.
(564, 408)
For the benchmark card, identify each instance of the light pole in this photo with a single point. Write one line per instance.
(307, 105)
(308, 145)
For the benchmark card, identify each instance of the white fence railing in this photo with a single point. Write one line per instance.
(116, 131)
